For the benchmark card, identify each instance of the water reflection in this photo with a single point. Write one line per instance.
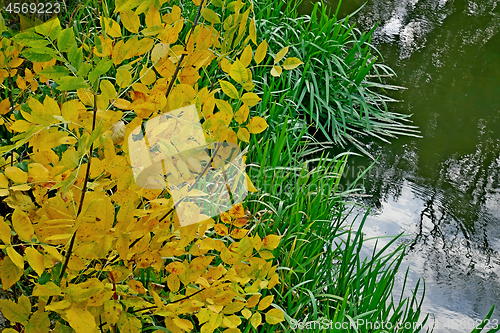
(444, 189)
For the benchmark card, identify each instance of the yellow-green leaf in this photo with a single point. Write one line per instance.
(129, 324)
(291, 63)
(281, 54)
(9, 273)
(229, 89)
(210, 16)
(250, 99)
(22, 225)
(246, 313)
(261, 52)
(35, 259)
(274, 316)
(238, 72)
(243, 134)
(48, 289)
(224, 106)
(130, 21)
(123, 77)
(14, 312)
(39, 323)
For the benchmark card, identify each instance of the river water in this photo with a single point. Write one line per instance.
(443, 189)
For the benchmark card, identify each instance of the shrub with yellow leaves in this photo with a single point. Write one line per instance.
(85, 249)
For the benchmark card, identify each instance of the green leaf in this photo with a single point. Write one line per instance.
(66, 40)
(51, 28)
(24, 38)
(75, 55)
(71, 83)
(210, 16)
(38, 54)
(55, 72)
(229, 89)
(84, 69)
(102, 67)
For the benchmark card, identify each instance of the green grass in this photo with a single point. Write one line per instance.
(340, 87)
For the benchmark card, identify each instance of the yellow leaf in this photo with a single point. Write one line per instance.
(159, 51)
(238, 72)
(176, 268)
(257, 125)
(39, 323)
(21, 84)
(130, 21)
(9, 273)
(250, 185)
(242, 114)
(111, 27)
(238, 233)
(81, 320)
(224, 64)
(261, 52)
(229, 89)
(276, 71)
(252, 30)
(250, 99)
(16, 258)
(5, 231)
(147, 76)
(4, 106)
(17, 175)
(271, 242)
(280, 54)
(38, 172)
(221, 229)
(232, 321)
(68, 140)
(291, 63)
(35, 259)
(265, 302)
(246, 313)
(256, 320)
(20, 126)
(183, 324)
(173, 283)
(274, 316)
(22, 225)
(153, 17)
(243, 134)
(136, 286)
(246, 56)
(22, 187)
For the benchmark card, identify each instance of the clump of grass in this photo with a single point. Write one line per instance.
(340, 87)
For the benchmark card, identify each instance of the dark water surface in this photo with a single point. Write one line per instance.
(443, 189)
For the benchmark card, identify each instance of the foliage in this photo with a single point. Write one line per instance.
(83, 245)
(340, 88)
